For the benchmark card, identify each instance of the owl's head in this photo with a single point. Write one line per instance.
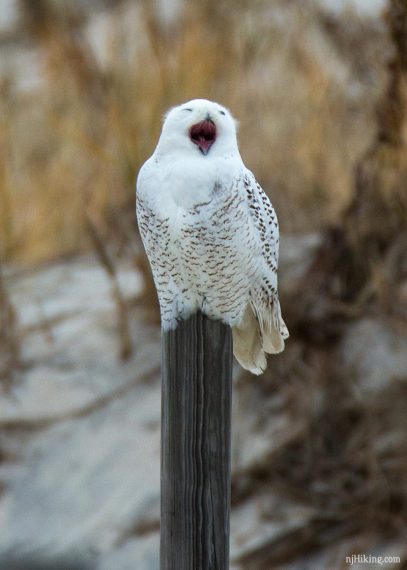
(199, 127)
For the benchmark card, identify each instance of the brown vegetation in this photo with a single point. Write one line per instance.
(346, 457)
(9, 340)
(76, 141)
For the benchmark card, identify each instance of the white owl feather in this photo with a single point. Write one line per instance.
(210, 232)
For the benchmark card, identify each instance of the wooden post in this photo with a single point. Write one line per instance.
(195, 445)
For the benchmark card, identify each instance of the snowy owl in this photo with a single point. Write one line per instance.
(210, 232)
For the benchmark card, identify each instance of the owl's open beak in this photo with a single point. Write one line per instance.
(203, 134)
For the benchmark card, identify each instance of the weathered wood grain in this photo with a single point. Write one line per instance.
(195, 446)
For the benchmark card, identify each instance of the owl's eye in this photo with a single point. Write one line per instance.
(222, 112)
(187, 110)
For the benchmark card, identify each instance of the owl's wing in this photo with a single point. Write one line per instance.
(155, 234)
(265, 220)
(264, 300)
(153, 231)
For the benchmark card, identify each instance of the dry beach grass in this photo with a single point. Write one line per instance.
(302, 84)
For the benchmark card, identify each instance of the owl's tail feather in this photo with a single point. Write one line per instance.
(274, 331)
(255, 336)
(247, 344)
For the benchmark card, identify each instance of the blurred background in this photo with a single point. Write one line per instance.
(320, 440)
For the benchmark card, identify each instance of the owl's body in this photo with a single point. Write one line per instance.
(210, 232)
